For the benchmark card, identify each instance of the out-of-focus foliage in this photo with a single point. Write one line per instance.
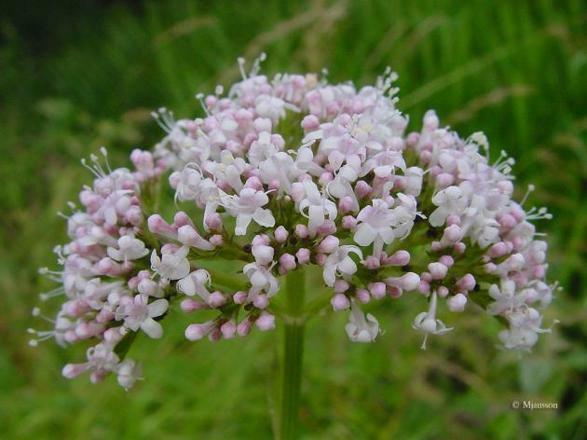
(78, 75)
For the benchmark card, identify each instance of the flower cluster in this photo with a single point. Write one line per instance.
(284, 173)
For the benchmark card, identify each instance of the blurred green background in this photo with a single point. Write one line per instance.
(75, 75)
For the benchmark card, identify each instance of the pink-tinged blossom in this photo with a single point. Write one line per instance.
(171, 265)
(427, 323)
(361, 328)
(339, 263)
(263, 202)
(247, 207)
(139, 313)
(129, 248)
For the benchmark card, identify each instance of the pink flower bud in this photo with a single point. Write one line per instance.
(341, 286)
(265, 322)
(498, 250)
(216, 240)
(244, 327)
(437, 270)
(190, 305)
(73, 370)
(303, 255)
(261, 301)
(301, 231)
(340, 302)
(195, 332)
(254, 182)
(412, 138)
(216, 299)
(349, 222)
(372, 262)
(310, 123)
(399, 258)
(214, 222)
(328, 227)
(346, 204)
(362, 189)
(377, 290)
(442, 291)
(363, 296)
(157, 225)
(281, 234)
(467, 282)
(424, 287)
(263, 254)
(457, 303)
(328, 244)
(507, 221)
(452, 234)
(460, 247)
(287, 262)
(240, 297)
(325, 178)
(447, 260)
(228, 329)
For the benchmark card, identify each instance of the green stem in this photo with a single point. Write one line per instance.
(293, 341)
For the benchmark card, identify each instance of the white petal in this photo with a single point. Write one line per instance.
(158, 308)
(264, 217)
(438, 217)
(187, 286)
(242, 223)
(347, 266)
(364, 235)
(181, 270)
(152, 328)
(115, 254)
(329, 275)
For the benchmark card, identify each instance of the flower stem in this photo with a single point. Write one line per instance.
(293, 349)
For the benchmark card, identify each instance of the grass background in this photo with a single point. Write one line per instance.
(75, 75)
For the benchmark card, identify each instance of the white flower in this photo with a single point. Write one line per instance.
(138, 313)
(318, 207)
(340, 263)
(451, 200)
(128, 372)
(360, 329)
(261, 279)
(280, 167)
(187, 182)
(505, 297)
(171, 265)
(129, 248)
(228, 169)
(195, 284)
(248, 206)
(100, 361)
(375, 225)
(427, 323)
(524, 329)
(262, 149)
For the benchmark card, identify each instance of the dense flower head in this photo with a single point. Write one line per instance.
(283, 173)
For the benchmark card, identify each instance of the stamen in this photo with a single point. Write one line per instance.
(241, 67)
(58, 291)
(36, 312)
(530, 189)
(257, 64)
(200, 97)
